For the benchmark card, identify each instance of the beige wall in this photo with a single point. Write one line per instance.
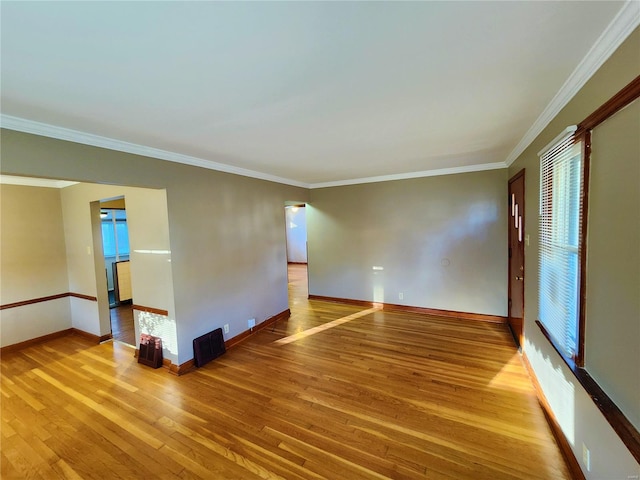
(32, 263)
(613, 261)
(118, 204)
(227, 232)
(440, 240)
(578, 416)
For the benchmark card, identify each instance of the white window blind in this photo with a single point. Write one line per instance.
(559, 268)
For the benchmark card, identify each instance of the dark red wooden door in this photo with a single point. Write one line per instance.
(516, 256)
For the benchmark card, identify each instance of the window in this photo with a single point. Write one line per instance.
(115, 234)
(561, 176)
(565, 172)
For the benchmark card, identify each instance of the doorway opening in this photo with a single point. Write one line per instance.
(116, 251)
(296, 238)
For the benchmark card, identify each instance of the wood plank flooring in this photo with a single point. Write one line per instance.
(384, 395)
(122, 327)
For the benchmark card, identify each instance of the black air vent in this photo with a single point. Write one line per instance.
(207, 347)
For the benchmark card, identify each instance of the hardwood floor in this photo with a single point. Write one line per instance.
(122, 327)
(378, 395)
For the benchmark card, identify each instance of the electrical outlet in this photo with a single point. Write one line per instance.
(251, 322)
(586, 457)
(401, 296)
(226, 328)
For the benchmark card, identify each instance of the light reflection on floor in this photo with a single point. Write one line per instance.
(325, 326)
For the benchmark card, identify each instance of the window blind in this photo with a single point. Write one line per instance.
(559, 262)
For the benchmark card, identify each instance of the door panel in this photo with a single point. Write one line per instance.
(516, 256)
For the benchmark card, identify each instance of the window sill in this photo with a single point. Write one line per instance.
(620, 424)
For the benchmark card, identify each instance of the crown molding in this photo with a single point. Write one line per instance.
(46, 130)
(627, 19)
(60, 133)
(405, 176)
(34, 182)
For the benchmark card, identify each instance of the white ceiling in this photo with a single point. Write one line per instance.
(307, 93)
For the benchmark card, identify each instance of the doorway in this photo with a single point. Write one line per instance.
(296, 238)
(296, 219)
(116, 251)
(517, 241)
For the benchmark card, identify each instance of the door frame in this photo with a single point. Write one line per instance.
(102, 289)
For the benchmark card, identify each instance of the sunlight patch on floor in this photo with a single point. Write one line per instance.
(506, 378)
(326, 326)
